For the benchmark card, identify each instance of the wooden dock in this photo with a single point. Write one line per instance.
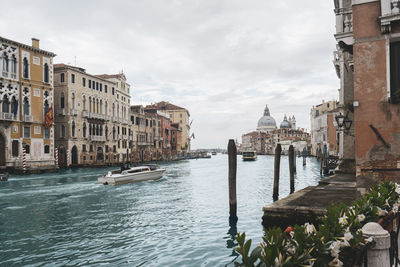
(309, 204)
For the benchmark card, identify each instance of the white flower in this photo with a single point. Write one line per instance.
(339, 263)
(379, 194)
(387, 202)
(369, 239)
(361, 217)
(336, 262)
(381, 212)
(395, 208)
(335, 249)
(291, 234)
(397, 188)
(310, 229)
(348, 236)
(343, 220)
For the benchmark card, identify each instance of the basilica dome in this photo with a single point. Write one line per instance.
(285, 124)
(266, 122)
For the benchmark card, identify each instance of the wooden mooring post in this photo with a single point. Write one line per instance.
(277, 164)
(294, 160)
(304, 156)
(232, 156)
(291, 167)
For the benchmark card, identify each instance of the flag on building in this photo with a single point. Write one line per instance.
(49, 118)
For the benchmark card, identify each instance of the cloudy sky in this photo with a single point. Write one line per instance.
(222, 60)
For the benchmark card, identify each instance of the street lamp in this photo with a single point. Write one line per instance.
(340, 120)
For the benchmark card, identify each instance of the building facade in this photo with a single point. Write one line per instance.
(26, 95)
(92, 126)
(367, 62)
(178, 115)
(323, 129)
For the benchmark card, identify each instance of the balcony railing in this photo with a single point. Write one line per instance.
(61, 111)
(74, 112)
(13, 75)
(97, 138)
(85, 113)
(28, 118)
(115, 119)
(5, 74)
(124, 137)
(7, 116)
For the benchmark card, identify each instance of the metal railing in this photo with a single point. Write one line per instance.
(7, 116)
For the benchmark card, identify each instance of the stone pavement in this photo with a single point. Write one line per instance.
(310, 203)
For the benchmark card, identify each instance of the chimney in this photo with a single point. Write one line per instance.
(35, 43)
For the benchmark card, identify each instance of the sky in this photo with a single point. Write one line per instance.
(221, 60)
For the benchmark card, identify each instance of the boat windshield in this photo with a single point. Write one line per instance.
(248, 154)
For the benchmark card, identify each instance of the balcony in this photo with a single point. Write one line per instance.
(7, 116)
(115, 119)
(61, 111)
(85, 113)
(5, 74)
(124, 137)
(13, 75)
(390, 10)
(28, 118)
(97, 138)
(74, 112)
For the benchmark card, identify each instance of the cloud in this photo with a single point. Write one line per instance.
(222, 60)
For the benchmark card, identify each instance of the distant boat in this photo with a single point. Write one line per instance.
(213, 153)
(249, 155)
(132, 175)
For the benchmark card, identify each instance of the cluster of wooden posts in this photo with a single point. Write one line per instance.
(232, 155)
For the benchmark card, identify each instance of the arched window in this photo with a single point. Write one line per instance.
(113, 110)
(73, 101)
(14, 64)
(45, 107)
(84, 129)
(113, 132)
(26, 106)
(46, 72)
(106, 108)
(106, 132)
(101, 106)
(84, 102)
(14, 106)
(25, 68)
(101, 130)
(73, 129)
(97, 106)
(6, 104)
(62, 100)
(90, 129)
(97, 130)
(62, 131)
(90, 104)
(5, 62)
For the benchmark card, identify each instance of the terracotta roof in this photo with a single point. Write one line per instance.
(163, 105)
(108, 76)
(62, 65)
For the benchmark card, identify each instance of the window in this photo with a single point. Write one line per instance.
(73, 129)
(14, 106)
(27, 149)
(90, 83)
(112, 91)
(91, 148)
(97, 86)
(101, 87)
(105, 88)
(62, 77)
(93, 84)
(62, 100)
(83, 81)
(46, 149)
(73, 78)
(46, 73)
(26, 106)
(27, 131)
(5, 62)
(15, 148)
(13, 65)
(6, 104)
(84, 130)
(84, 102)
(114, 148)
(62, 131)
(180, 115)
(25, 68)
(106, 148)
(394, 70)
(46, 133)
(73, 100)
(83, 148)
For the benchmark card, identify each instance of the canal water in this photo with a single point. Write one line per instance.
(180, 220)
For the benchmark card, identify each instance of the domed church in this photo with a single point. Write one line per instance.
(266, 123)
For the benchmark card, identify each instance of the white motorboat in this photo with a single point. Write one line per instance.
(249, 155)
(132, 175)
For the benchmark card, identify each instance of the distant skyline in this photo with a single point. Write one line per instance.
(222, 60)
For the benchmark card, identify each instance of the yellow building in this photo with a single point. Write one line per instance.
(26, 95)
